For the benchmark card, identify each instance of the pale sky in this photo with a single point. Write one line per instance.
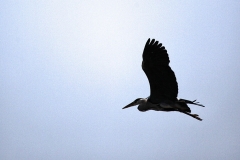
(68, 67)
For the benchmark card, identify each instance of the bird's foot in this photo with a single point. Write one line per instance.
(197, 117)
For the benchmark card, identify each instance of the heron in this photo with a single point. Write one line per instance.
(163, 83)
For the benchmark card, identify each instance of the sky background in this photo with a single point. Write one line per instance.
(68, 67)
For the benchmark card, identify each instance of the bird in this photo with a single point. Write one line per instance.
(163, 83)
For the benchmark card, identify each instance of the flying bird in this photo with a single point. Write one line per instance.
(163, 83)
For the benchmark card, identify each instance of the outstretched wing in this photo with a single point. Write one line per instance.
(162, 80)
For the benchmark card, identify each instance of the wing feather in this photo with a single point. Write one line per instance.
(162, 80)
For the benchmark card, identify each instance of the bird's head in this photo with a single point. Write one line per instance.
(141, 102)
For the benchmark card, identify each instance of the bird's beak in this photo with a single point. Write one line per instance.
(130, 105)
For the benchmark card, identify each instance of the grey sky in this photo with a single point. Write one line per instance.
(68, 67)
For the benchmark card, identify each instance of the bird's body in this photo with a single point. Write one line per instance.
(163, 83)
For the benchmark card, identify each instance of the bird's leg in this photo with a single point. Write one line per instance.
(192, 115)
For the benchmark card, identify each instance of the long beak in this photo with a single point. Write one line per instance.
(130, 105)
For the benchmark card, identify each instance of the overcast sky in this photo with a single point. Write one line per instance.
(68, 67)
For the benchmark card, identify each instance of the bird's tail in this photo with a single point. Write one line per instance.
(190, 102)
(182, 106)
